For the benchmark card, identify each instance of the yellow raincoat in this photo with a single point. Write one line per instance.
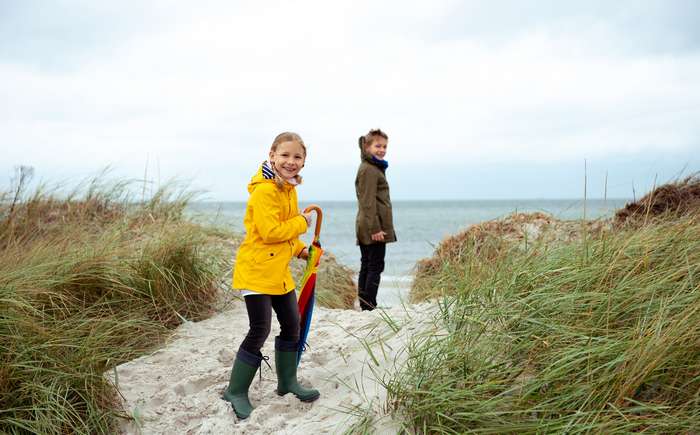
(273, 225)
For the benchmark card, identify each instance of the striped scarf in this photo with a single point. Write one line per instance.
(267, 171)
(269, 174)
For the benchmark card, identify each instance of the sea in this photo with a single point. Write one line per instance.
(419, 225)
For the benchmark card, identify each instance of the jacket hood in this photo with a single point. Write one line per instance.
(364, 155)
(263, 175)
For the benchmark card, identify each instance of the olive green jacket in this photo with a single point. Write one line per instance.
(373, 203)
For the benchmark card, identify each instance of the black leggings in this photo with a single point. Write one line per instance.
(371, 268)
(260, 316)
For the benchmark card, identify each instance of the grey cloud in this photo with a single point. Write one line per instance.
(634, 25)
(60, 35)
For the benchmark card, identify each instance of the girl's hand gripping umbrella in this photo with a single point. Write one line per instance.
(308, 282)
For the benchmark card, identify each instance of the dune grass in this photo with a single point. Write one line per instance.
(479, 252)
(599, 335)
(89, 280)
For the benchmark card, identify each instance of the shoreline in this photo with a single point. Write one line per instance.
(394, 290)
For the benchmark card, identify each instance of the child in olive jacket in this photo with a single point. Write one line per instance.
(374, 225)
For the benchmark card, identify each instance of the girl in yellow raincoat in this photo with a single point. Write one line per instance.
(273, 225)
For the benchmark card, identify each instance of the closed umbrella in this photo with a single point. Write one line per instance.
(308, 282)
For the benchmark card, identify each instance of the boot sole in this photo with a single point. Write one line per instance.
(240, 416)
(308, 400)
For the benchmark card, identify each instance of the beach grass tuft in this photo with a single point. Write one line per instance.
(599, 334)
(90, 279)
(673, 199)
(480, 251)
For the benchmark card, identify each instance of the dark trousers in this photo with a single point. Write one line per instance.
(260, 316)
(371, 267)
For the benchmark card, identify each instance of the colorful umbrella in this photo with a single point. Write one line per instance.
(308, 282)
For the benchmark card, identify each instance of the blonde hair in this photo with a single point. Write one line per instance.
(286, 136)
(368, 139)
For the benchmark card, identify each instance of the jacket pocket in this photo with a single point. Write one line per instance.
(270, 252)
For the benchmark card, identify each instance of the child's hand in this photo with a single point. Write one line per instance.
(307, 216)
(304, 254)
(378, 237)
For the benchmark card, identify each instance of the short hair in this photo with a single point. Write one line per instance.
(371, 135)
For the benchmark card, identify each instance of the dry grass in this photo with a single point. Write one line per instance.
(475, 252)
(597, 335)
(88, 280)
(563, 327)
(669, 200)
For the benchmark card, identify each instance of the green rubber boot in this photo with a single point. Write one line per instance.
(286, 366)
(242, 374)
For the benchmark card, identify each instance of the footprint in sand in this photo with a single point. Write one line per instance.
(318, 359)
(188, 388)
(225, 356)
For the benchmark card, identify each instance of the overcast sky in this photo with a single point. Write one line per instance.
(481, 99)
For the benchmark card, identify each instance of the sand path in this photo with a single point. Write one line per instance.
(177, 389)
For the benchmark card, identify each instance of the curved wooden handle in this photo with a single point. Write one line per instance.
(319, 218)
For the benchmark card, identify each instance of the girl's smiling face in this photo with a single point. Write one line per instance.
(288, 158)
(377, 148)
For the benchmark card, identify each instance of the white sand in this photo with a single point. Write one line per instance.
(177, 389)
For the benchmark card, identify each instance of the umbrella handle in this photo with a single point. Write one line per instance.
(319, 218)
